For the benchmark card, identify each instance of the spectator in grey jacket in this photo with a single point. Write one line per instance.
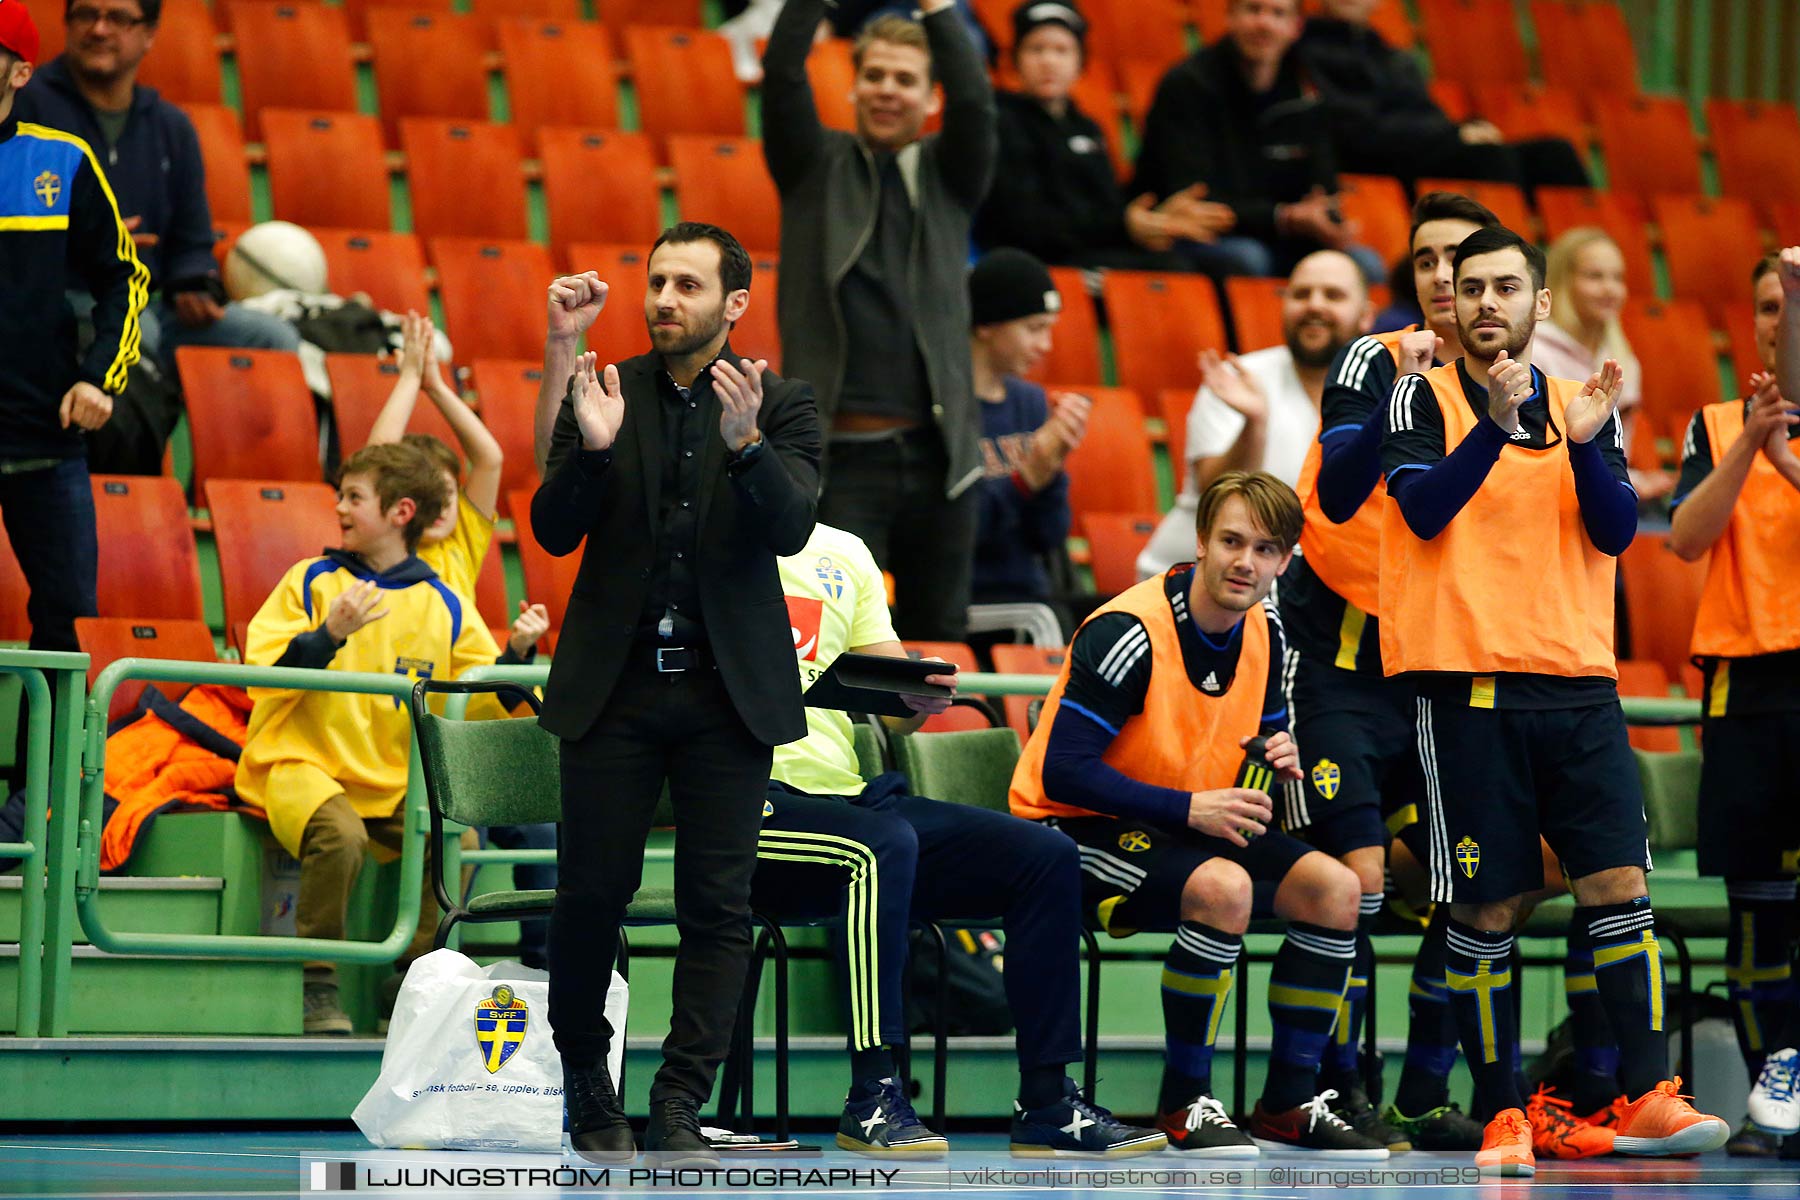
(874, 238)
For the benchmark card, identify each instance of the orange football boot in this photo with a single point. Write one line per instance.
(1506, 1145)
(1557, 1132)
(1662, 1122)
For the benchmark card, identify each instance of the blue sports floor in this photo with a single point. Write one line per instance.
(281, 1164)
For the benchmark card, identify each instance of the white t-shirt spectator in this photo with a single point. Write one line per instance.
(1213, 426)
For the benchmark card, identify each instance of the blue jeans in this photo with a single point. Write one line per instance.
(240, 328)
(49, 518)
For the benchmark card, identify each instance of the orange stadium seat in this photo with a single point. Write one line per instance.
(497, 612)
(1662, 595)
(1075, 342)
(1746, 360)
(1452, 97)
(360, 385)
(222, 152)
(530, 12)
(1584, 46)
(1114, 542)
(1138, 80)
(184, 64)
(548, 579)
(105, 640)
(1112, 470)
(1673, 336)
(327, 169)
(508, 388)
(149, 566)
(676, 14)
(1649, 144)
(1160, 323)
(1378, 204)
(1256, 310)
(959, 716)
(466, 178)
(952, 652)
(832, 73)
(1505, 200)
(389, 267)
(1121, 29)
(724, 181)
(1473, 41)
(1173, 405)
(619, 331)
(1096, 93)
(493, 296)
(1784, 218)
(262, 527)
(1757, 148)
(428, 65)
(685, 82)
(357, 11)
(1012, 659)
(758, 331)
(271, 38)
(15, 623)
(1523, 111)
(1647, 677)
(1209, 18)
(599, 186)
(1389, 18)
(1623, 217)
(1709, 246)
(559, 73)
(250, 415)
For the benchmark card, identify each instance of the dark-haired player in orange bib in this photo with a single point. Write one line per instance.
(1739, 496)
(1510, 500)
(1359, 761)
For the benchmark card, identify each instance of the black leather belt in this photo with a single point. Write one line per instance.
(671, 660)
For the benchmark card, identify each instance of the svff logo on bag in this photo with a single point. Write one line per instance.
(500, 1022)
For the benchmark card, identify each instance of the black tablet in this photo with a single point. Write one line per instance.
(875, 683)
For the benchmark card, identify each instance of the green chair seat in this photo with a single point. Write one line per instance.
(501, 902)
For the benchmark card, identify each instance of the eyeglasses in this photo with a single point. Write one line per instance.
(82, 18)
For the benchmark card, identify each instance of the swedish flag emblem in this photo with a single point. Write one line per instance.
(500, 1022)
(1468, 856)
(1135, 841)
(48, 186)
(1326, 777)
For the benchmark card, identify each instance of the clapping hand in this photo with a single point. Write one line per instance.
(1509, 385)
(599, 410)
(353, 609)
(740, 395)
(532, 623)
(1592, 408)
(1232, 384)
(1418, 350)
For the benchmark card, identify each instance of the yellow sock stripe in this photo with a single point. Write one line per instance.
(1606, 956)
(1341, 1031)
(1287, 995)
(1745, 974)
(1104, 910)
(1216, 988)
(863, 945)
(1484, 983)
(138, 289)
(1350, 631)
(1400, 818)
(1574, 985)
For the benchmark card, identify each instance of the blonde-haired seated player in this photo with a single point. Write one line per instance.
(330, 768)
(1136, 757)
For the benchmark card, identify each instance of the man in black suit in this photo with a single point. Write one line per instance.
(688, 471)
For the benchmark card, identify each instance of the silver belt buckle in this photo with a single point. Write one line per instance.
(662, 650)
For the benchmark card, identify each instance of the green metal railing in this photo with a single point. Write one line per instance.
(87, 857)
(65, 765)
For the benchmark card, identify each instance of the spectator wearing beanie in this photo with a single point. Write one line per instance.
(1055, 193)
(1025, 436)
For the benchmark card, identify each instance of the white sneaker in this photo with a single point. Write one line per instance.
(1775, 1100)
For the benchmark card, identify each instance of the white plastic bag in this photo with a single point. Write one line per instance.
(469, 1062)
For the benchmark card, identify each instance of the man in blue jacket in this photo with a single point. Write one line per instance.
(59, 230)
(152, 156)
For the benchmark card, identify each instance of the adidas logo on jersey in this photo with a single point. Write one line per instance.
(1211, 682)
(1521, 434)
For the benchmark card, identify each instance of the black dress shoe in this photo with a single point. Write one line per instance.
(598, 1129)
(674, 1134)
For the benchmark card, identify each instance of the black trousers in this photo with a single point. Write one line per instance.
(1531, 164)
(682, 729)
(890, 493)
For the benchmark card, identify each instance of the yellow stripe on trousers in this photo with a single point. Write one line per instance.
(860, 909)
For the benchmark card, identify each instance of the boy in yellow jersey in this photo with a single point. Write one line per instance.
(834, 845)
(1354, 726)
(1509, 501)
(1135, 758)
(1739, 496)
(330, 768)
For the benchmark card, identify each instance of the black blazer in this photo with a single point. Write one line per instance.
(747, 520)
